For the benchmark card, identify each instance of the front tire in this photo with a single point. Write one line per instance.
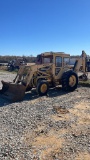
(69, 81)
(42, 87)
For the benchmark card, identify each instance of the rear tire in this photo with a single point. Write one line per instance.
(42, 87)
(69, 81)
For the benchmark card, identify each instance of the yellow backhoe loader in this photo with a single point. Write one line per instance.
(50, 70)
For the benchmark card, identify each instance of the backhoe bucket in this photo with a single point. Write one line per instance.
(13, 92)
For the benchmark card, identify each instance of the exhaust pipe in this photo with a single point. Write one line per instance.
(12, 91)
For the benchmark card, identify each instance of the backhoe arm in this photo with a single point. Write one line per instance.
(80, 62)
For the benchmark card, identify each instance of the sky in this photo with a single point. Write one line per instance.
(30, 27)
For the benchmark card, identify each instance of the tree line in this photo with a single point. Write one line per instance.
(6, 59)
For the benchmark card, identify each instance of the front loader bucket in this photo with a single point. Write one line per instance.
(13, 92)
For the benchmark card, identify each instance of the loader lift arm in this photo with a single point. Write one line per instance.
(24, 80)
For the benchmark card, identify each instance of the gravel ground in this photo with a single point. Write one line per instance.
(53, 127)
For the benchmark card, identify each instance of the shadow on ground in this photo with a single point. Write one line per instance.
(32, 95)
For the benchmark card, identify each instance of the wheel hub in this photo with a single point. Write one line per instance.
(72, 80)
(43, 88)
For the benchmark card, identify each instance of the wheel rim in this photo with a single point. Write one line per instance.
(43, 88)
(72, 80)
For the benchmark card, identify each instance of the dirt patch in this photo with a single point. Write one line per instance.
(49, 145)
(83, 156)
(80, 110)
(60, 110)
(3, 68)
(60, 117)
